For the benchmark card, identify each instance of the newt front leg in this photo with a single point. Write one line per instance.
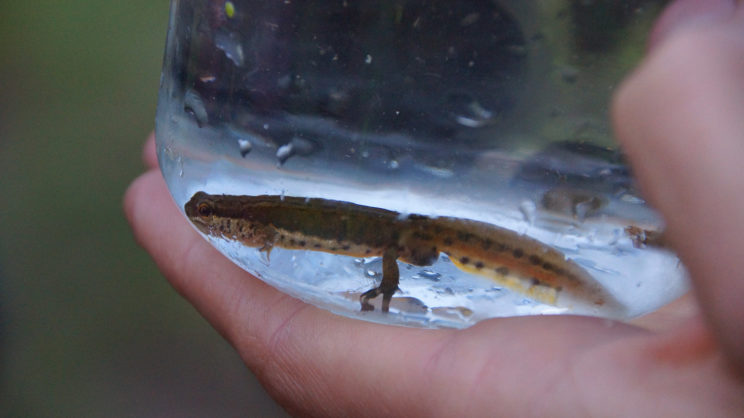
(388, 285)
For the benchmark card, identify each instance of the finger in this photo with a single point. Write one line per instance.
(317, 363)
(686, 13)
(148, 153)
(681, 121)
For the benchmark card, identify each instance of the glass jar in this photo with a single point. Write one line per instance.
(332, 147)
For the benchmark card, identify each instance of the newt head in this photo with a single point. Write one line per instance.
(200, 210)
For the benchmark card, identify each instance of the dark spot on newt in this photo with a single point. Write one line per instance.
(518, 253)
(547, 266)
(464, 236)
(448, 241)
(503, 271)
(316, 245)
(479, 265)
(534, 259)
(423, 236)
(302, 243)
(486, 244)
(464, 260)
(368, 251)
(346, 247)
(534, 281)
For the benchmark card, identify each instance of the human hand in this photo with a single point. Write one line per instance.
(316, 363)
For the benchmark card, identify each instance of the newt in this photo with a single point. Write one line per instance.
(647, 237)
(516, 261)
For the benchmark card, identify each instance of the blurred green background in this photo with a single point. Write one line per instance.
(88, 326)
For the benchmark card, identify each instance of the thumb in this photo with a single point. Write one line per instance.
(680, 118)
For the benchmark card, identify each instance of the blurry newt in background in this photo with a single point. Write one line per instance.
(646, 237)
(515, 261)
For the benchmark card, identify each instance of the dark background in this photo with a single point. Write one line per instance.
(88, 326)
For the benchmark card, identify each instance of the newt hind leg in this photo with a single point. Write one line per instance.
(389, 284)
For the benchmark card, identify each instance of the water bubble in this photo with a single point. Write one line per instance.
(428, 275)
(297, 146)
(231, 44)
(528, 208)
(441, 169)
(470, 19)
(194, 106)
(476, 116)
(393, 164)
(368, 59)
(245, 147)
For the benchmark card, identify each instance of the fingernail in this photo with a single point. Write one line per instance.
(686, 13)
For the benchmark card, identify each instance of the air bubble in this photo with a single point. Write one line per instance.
(194, 106)
(231, 44)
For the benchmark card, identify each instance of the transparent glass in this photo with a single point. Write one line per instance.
(364, 123)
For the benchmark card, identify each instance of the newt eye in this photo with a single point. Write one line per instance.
(204, 209)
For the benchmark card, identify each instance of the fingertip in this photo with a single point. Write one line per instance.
(685, 13)
(134, 194)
